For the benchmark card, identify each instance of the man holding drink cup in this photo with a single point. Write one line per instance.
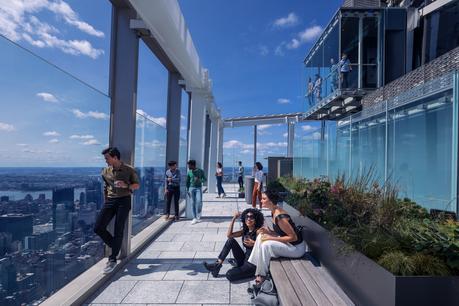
(120, 180)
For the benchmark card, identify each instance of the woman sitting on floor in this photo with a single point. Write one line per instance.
(284, 240)
(252, 220)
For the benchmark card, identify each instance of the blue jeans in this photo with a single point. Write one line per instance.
(219, 185)
(196, 201)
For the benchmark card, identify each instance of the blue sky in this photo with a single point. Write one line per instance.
(253, 50)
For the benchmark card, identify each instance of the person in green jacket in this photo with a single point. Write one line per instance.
(194, 180)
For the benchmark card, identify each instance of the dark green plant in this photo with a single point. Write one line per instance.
(398, 233)
(397, 263)
(429, 265)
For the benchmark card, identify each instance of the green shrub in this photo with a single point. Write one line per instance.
(398, 233)
(429, 265)
(397, 263)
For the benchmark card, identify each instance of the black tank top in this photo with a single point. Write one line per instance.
(281, 233)
(251, 235)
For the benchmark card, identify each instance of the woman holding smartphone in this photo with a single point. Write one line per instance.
(252, 220)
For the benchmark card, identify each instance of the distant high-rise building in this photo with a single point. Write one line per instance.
(82, 198)
(18, 225)
(4, 199)
(64, 219)
(63, 196)
(94, 193)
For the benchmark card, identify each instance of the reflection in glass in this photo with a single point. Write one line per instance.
(150, 161)
(53, 129)
(418, 140)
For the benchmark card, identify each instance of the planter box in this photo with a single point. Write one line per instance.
(366, 282)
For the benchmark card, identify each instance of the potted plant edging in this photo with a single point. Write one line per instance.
(366, 282)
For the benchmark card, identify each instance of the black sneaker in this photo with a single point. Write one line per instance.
(213, 268)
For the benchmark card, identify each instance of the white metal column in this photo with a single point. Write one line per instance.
(212, 156)
(220, 141)
(197, 128)
(123, 92)
(290, 137)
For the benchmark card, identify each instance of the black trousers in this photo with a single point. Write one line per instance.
(173, 192)
(118, 208)
(244, 268)
(240, 181)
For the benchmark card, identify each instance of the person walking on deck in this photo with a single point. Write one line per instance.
(219, 177)
(120, 180)
(172, 189)
(258, 185)
(240, 176)
(194, 180)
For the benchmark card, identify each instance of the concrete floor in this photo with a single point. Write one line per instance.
(170, 271)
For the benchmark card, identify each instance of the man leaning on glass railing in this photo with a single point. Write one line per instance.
(120, 180)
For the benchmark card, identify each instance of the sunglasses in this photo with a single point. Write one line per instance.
(250, 217)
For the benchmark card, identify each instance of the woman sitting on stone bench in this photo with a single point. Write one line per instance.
(252, 220)
(284, 240)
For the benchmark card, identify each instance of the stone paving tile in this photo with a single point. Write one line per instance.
(188, 271)
(199, 246)
(203, 230)
(143, 272)
(177, 256)
(186, 237)
(214, 237)
(149, 254)
(221, 274)
(165, 246)
(154, 292)
(118, 304)
(165, 237)
(204, 292)
(114, 292)
(206, 255)
(239, 293)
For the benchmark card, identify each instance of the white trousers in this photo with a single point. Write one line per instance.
(263, 251)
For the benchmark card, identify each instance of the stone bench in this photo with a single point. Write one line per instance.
(303, 282)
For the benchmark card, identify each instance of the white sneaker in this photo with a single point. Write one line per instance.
(109, 267)
(198, 220)
(194, 221)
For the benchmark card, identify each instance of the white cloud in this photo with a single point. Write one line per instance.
(308, 128)
(22, 144)
(308, 35)
(91, 142)
(246, 151)
(261, 146)
(263, 50)
(263, 127)
(90, 114)
(54, 140)
(47, 97)
(283, 101)
(6, 127)
(313, 136)
(81, 137)
(51, 134)
(279, 51)
(182, 117)
(284, 22)
(183, 128)
(18, 22)
(64, 10)
(158, 120)
(285, 135)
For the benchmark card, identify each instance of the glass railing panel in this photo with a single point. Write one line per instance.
(53, 129)
(150, 161)
(420, 151)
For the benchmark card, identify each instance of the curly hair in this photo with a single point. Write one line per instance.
(259, 218)
(273, 196)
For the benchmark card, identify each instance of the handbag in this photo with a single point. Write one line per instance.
(264, 294)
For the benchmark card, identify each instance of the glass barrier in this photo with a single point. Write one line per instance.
(53, 128)
(411, 146)
(332, 68)
(150, 161)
